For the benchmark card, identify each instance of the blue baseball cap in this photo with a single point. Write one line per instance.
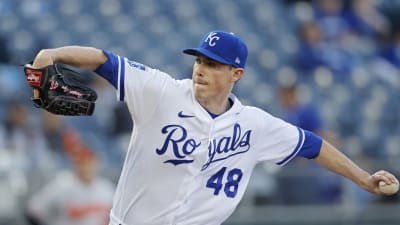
(222, 47)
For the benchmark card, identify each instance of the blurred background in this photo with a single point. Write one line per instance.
(329, 66)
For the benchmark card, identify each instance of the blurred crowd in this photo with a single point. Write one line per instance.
(329, 66)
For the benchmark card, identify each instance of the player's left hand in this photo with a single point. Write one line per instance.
(58, 90)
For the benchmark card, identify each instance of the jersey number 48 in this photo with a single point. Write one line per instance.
(230, 185)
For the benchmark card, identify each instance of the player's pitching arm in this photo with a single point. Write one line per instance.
(335, 161)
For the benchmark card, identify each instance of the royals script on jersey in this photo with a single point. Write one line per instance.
(182, 166)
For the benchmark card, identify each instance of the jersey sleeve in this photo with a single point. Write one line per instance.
(312, 145)
(140, 86)
(109, 70)
(279, 140)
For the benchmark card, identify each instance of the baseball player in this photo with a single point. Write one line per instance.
(194, 144)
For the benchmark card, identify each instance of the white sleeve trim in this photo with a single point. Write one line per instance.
(296, 149)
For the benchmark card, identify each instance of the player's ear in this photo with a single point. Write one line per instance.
(237, 74)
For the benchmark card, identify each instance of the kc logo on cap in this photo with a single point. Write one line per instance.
(223, 47)
(211, 38)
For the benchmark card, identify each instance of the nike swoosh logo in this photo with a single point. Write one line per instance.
(181, 115)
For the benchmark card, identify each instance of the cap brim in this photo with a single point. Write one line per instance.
(205, 52)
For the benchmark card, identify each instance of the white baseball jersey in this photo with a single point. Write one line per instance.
(183, 167)
(67, 201)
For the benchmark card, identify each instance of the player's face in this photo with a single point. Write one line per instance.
(212, 79)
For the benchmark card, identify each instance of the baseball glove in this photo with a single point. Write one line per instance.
(61, 90)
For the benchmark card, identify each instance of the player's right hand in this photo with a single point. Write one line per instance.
(378, 176)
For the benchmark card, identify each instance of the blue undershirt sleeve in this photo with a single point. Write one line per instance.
(311, 147)
(109, 69)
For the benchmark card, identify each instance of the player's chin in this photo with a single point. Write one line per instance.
(201, 91)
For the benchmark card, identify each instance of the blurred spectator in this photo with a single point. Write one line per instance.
(332, 18)
(311, 47)
(321, 187)
(74, 197)
(25, 142)
(305, 116)
(385, 64)
(367, 20)
(350, 25)
(315, 52)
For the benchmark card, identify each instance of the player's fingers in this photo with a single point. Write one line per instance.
(390, 176)
(385, 176)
